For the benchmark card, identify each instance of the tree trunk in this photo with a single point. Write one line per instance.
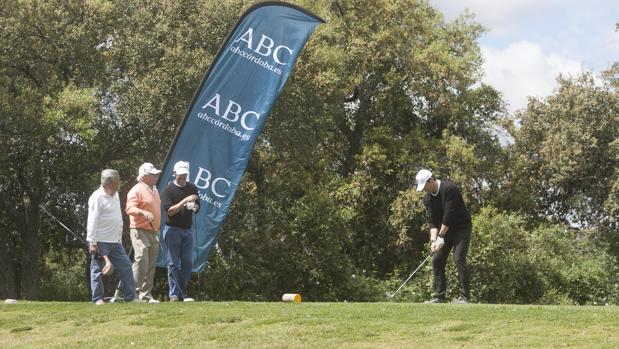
(7, 277)
(354, 136)
(31, 250)
(255, 170)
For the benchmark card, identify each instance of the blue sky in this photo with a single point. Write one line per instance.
(530, 42)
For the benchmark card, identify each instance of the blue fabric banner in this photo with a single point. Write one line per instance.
(229, 109)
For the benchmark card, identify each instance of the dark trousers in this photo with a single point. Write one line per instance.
(179, 245)
(459, 240)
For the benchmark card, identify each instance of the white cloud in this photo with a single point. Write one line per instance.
(523, 69)
(499, 16)
(531, 42)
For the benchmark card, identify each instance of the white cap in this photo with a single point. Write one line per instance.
(148, 168)
(181, 168)
(421, 178)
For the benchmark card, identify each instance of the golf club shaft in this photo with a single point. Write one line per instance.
(411, 275)
(64, 226)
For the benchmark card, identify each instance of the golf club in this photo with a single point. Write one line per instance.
(80, 238)
(391, 295)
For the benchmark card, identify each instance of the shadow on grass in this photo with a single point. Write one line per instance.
(21, 329)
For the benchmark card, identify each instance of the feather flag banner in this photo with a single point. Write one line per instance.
(229, 109)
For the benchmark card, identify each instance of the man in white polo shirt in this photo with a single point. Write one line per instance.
(105, 228)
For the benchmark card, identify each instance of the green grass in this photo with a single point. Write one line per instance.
(305, 325)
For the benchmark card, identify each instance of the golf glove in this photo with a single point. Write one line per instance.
(192, 206)
(439, 242)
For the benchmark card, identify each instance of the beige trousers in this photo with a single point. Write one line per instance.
(145, 250)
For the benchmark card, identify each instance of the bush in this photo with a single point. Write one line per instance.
(574, 264)
(552, 264)
(501, 270)
(417, 289)
(302, 250)
(65, 277)
(361, 288)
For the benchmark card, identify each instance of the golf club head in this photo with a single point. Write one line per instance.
(390, 294)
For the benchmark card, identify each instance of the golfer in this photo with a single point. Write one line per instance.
(143, 207)
(450, 227)
(104, 235)
(180, 200)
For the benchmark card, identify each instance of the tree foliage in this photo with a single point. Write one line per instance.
(50, 62)
(565, 155)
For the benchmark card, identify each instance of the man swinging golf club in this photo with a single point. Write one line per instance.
(450, 227)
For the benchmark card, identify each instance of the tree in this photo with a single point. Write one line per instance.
(51, 56)
(395, 90)
(565, 153)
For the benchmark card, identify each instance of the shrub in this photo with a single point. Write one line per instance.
(501, 271)
(573, 263)
(65, 277)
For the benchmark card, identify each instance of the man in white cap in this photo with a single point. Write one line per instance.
(180, 200)
(450, 227)
(144, 210)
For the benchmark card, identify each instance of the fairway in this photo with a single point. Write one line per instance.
(305, 325)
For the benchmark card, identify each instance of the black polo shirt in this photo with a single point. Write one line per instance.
(447, 207)
(173, 194)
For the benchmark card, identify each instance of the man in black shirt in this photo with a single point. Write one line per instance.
(179, 200)
(450, 227)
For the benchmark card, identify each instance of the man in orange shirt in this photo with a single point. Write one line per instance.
(144, 210)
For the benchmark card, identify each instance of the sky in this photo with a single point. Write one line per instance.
(528, 43)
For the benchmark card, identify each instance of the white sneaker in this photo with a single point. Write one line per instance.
(188, 299)
(99, 302)
(153, 300)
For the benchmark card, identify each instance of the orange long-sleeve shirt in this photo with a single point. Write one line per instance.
(142, 197)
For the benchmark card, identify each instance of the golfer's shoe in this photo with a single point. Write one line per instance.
(173, 299)
(436, 300)
(461, 300)
(99, 302)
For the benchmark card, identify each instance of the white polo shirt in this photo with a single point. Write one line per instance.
(105, 220)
